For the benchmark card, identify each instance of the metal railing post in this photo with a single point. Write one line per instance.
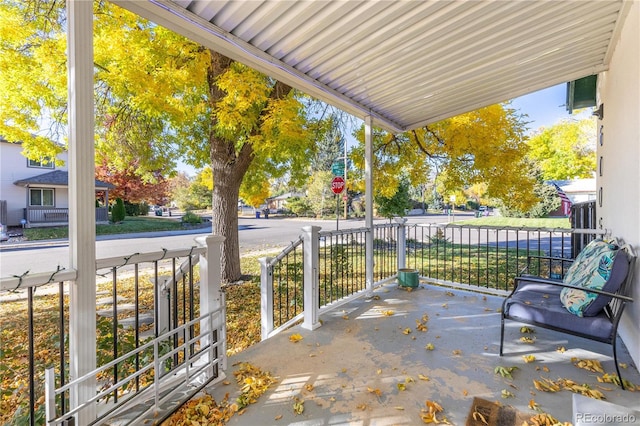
(210, 289)
(311, 255)
(402, 242)
(266, 297)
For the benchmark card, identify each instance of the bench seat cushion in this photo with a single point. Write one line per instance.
(540, 303)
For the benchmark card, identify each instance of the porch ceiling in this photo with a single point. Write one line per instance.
(407, 63)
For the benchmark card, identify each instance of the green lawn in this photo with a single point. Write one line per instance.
(130, 224)
(556, 222)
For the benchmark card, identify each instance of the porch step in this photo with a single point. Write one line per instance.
(143, 319)
(120, 309)
(109, 300)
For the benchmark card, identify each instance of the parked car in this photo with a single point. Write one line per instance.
(3, 233)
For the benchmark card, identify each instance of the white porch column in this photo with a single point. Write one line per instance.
(402, 242)
(82, 214)
(368, 207)
(210, 285)
(266, 297)
(311, 290)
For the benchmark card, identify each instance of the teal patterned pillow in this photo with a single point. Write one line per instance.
(591, 269)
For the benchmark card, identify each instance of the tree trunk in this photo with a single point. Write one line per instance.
(225, 221)
(229, 165)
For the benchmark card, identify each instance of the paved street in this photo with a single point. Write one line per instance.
(255, 235)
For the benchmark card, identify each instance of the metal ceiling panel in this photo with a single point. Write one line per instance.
(405, 63)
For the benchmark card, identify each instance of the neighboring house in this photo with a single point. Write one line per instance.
(280, 202)
(572, 192)
(35, 193)
(578, 190)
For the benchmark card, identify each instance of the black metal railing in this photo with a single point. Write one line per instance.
(385, 250)
(34, 318)
(341, 271)
(139, 298)
(287, 280)
(484, 256)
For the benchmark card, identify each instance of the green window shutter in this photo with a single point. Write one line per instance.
(581, 93)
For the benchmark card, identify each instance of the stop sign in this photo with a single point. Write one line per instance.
(337, 184)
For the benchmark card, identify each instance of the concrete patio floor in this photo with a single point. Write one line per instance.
(348, 370)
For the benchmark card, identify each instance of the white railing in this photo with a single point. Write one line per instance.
(188, 323)
(322, 271)
(206, 362)
(325, 269)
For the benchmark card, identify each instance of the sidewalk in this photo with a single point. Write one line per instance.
(13, 245)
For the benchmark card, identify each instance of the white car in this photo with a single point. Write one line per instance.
(3, 233)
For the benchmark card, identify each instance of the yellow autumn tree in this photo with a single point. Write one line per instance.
(485, 146)
(159, 98)
(566, 150)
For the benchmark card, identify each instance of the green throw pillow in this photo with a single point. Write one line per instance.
(591, 269)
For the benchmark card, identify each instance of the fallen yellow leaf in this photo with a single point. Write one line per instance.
(295, 338)
(376, 391)
(298, 406)
(506, 394)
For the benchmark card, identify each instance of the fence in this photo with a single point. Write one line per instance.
(159, 324)
(40, 215)
(322, 270)
(583, 216)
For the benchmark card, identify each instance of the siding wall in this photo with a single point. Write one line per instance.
(619, 90)
(13, 167)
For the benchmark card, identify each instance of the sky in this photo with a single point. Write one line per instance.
(543, 108)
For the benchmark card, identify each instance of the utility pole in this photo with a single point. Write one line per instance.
(345, 197)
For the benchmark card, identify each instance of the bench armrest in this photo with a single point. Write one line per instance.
(562, 284)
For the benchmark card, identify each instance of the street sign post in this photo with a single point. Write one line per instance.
(337, 186)
(337, 168)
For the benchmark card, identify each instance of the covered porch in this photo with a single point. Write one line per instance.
(47, 204)
(399, 66)
(368, 364)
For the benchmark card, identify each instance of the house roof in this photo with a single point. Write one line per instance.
(577, 185)
(57, 178)
(404, 63)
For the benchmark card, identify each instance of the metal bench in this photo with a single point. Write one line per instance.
(537, 301)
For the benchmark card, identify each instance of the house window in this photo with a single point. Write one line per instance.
(43, 163)
(41, 197)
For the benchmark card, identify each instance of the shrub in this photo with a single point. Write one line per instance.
(118, 211)
(191, 218)
(136, 209)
